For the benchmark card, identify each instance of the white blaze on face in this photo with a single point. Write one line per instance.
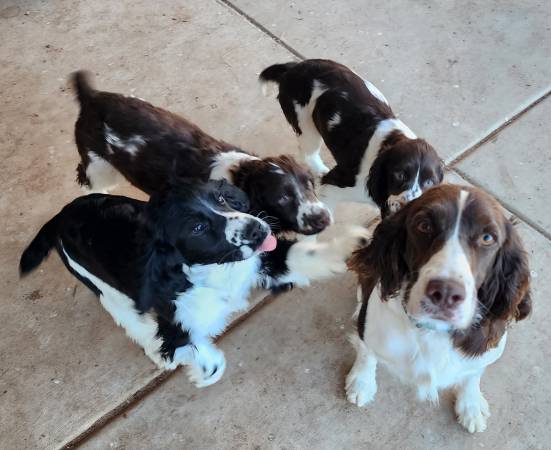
(308, 206)
(451, 263)
(236, 226)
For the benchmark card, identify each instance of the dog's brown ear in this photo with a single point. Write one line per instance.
(506, 291)
(383, 259)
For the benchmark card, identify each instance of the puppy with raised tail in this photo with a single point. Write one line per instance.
(378, 158)
(120, 135)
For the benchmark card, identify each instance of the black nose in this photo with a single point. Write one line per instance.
(318, 222)
(445, 292)
(255, 232)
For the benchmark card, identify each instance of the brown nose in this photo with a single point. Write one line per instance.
(318, 222)
(445, 292)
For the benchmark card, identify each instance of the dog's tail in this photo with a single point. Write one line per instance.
(82, 86)
(39, 248)
(273, 74)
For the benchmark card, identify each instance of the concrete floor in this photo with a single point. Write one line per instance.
(473, 78)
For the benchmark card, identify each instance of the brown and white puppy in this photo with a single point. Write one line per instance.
(453, 274)
(116, 134)
(379, 159)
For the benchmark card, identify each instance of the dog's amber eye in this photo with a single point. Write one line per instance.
(424, 227)
(486, 239)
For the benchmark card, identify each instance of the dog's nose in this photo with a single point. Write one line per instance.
(255, 232)
(445, 292)
(318, 222)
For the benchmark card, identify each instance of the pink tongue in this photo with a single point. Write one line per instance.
(269, 244)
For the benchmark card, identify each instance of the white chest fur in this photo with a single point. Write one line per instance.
(218, 290)
(426, 358)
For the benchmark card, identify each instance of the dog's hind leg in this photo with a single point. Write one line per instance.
(97, 175)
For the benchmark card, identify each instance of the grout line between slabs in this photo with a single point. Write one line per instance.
(538, 228)
(470, 150)
(151, 386)
(261, 27)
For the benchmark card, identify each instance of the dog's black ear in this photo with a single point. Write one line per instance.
(383, 258)
(506, 290)
(377, 185)
(163, 278)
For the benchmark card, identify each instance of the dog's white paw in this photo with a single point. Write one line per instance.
(208, 366)
(472, 413)
(359, 390)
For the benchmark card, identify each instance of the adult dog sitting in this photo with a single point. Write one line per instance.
(116, 134)
(171, 271)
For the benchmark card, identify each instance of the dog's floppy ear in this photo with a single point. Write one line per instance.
(377, 182)
(383, 257)
(506, 290)
(163, 276)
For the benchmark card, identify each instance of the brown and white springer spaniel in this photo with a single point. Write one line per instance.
(116, 134)
(379, 159)
(453, 275)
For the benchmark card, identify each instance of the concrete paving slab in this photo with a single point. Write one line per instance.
(516, 165)
(64, 362)
(452, 70)
(284, 387)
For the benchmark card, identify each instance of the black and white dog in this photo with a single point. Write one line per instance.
(379, 159)
(117, 135)
(171, 271)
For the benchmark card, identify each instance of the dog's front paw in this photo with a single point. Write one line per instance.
(208, 367)
(472, 413)
(359, 390)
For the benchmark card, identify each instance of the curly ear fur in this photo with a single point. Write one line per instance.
(506, 290)
(163, 279)
(383, 258)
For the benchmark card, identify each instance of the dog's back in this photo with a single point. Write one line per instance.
(146, 144)
(99, 233)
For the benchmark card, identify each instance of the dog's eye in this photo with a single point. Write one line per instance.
(486, 239)
(424, 227)
(221, 200)
(284, 199)
(429, 183)
(400, 176)
(199, 228)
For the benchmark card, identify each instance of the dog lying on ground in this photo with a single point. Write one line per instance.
(453, 274)
(379, 159)
(117, 135)
(171, 271)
